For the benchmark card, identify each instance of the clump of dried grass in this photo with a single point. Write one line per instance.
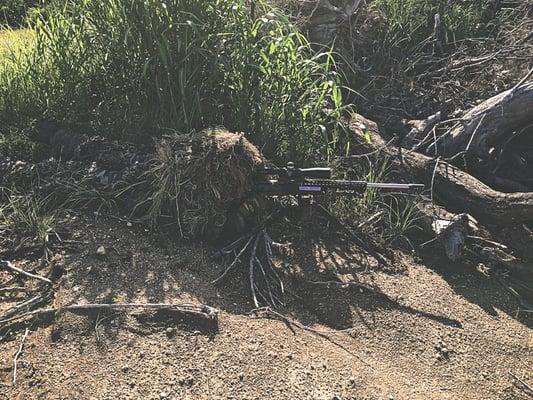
(194, 180)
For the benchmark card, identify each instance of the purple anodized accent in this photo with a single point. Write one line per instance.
(310, 189)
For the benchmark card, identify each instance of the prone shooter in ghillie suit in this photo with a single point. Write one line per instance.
(211, 184)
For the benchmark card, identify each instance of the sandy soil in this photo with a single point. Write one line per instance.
(435, 333)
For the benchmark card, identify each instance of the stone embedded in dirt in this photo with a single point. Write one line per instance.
(170, 331)
(125, 368)
(101, 251)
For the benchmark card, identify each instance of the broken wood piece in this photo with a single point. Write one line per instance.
(11, 268)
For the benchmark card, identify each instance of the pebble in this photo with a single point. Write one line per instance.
(101, 252)
(125, 368)
(241, 376)
(129, 224)
(170, 331)
(163, 395)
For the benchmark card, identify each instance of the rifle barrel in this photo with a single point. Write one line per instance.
(395, 186)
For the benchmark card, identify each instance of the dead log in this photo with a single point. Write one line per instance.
(462, 192)
(491, 122)
(456, 189)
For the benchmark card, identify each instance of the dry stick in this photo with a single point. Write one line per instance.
(525, 387)
(201, 310)
(15, 359)
(234, 261)
(13, 289)
(26, 304)
(267, 283)
(252, 259)
(344, 284)
(465, 152)
(522, 81)
(12, 268)
(268, 245)
(322, 333)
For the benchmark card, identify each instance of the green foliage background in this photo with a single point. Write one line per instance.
(137, 69)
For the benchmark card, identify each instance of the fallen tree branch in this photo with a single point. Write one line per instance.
(201, 310)
(10, 267)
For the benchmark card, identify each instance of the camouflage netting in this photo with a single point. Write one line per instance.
(196, 180)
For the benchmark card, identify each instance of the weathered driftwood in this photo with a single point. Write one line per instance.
(491, 122)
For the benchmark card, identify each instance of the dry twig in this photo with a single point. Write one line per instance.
(17, 354)
(10, 267)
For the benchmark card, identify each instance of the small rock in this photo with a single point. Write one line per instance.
(290, 356)
(170, 331)
(163, 395)
(241, 376)
(141, 354)
(129, 224)
(101, 252)
(444, 350)
(125, 368)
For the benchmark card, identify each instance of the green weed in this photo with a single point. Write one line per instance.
(27, 217)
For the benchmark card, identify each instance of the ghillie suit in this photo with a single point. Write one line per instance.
(197, 180)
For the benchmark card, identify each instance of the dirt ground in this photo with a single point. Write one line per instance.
(447, 333)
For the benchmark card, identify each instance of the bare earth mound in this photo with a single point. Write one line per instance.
(443, 334)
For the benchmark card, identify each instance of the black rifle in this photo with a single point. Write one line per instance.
(314, 181)
(305, 183)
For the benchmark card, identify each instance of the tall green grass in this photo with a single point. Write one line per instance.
(409, 22)
(129, 68)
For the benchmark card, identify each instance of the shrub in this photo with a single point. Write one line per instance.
(142, 68)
